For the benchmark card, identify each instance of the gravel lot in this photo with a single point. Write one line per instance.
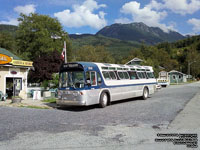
(159, 110)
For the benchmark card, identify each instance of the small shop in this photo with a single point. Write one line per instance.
(13, 74)
(177, 77)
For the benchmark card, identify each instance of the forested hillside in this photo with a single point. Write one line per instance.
(114, 46)
(171, 56)
(11, 29)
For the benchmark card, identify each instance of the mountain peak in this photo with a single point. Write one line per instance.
(140, 32)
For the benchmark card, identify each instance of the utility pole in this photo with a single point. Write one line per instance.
(65, 50)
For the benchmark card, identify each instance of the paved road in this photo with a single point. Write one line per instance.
(157, 111)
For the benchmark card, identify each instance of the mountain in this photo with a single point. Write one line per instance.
(114, 46)
(8, 29)
(139, 32)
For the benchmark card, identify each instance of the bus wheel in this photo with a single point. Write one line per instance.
(145, 93)
(103, 100)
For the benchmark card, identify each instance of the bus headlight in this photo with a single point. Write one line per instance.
(77, 93)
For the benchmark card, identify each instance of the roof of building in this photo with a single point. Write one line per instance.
(8, 53)
(134, 60)
(174, 71)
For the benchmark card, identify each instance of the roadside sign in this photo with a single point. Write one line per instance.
(22, 63)
(4, 59)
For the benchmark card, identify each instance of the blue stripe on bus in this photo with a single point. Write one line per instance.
(105, 86)
(131, 85)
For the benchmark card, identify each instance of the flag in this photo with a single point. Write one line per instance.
(63, 55)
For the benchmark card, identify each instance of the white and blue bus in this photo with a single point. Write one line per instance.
(88, 83)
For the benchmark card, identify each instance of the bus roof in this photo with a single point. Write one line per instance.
(108, 66)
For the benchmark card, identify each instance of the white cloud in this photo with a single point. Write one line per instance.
(83, 15)
(155, 5)
(123, 20)
(146, 15)
(196, 24)
(11, 21)
(182, 6)
(27, 9)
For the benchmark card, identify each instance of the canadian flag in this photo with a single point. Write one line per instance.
(64, 54)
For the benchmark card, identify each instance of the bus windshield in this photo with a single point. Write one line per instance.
(74, 79)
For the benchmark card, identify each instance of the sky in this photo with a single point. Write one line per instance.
(89, 16)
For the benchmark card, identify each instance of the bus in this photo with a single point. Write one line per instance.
(88, 83)
(163, 79)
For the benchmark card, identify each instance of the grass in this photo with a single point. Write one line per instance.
(35, 107)
(51, 100)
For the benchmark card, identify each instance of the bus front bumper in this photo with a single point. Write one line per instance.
(70, 102)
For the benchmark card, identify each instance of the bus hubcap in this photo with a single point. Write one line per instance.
(105, 99)
(145, 93)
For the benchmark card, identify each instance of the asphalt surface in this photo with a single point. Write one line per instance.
(159, 110)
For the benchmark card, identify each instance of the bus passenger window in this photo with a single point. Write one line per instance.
(106, 75)
(88, 77)
(112, 75)
(121, 75)
(140, 75)
(143, 75)
(93, 78)
(99, 81)
(126, 75)
(133, 75)
(146, 75)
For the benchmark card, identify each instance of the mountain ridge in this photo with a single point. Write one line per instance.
(139, 32)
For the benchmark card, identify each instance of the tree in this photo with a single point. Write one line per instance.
(93, 54)
(40, 34)
(8, 42)
(45, 66)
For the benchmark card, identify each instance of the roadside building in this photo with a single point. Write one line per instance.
(13, 74)
(177, 77)
(134, 61)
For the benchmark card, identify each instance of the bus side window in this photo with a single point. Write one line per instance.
(106, 75)
(117, 75)
(140, 75)
(87, 76)
(91, 78)
(126, 76)
(112, 75)
(146, 75)
(121, 75)
(133, 75)
(99, 80)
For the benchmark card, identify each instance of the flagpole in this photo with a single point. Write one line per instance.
(65, 49)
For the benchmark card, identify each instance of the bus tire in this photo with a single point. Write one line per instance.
(145, 93)
(103, 102)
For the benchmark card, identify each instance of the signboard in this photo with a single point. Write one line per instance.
(13, 72)
(4, 59)
(22, 63)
